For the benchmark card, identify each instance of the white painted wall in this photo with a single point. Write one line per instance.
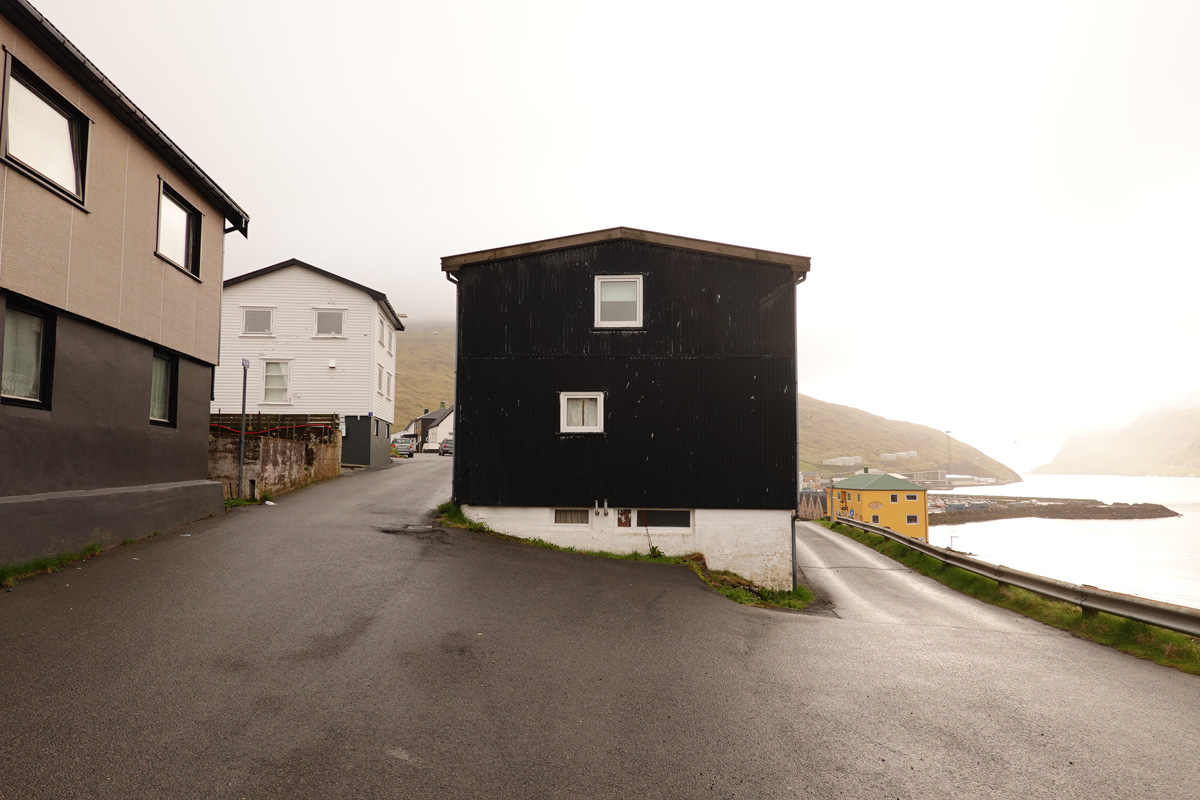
(348, 388)
(755, 544)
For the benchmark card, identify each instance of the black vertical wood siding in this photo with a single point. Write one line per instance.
(700, 404)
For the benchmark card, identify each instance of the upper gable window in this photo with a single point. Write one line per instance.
(618, 301)
(178, 230)
(258, 321)
(330, 323)
(44, 135)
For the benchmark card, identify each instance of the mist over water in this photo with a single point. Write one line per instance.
(1154, 558)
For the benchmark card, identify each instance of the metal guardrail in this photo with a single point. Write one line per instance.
(1088, 598)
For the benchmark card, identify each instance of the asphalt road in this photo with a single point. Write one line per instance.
(318, 648)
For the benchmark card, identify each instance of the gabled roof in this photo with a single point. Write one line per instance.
(798, 264)
(877, 480)
(435, 417)
(29, 21)
(295, 262)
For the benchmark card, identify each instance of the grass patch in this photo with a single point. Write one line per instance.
(1162, 646)
(729, 584)
(10, 574)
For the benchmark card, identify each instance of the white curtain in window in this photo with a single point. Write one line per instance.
(276, 382)
(22, 365)
(160, 389)
(582, 411)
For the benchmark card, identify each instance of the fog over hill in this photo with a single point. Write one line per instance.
(424, 369)
(828, 430)
(1163, 442)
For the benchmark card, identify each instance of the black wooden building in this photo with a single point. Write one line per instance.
(627, 368)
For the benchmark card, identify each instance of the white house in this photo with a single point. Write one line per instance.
(431, 427)
(316, 343)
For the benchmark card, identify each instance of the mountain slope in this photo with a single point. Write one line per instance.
(828, 430)
(1160, 443)
(424, 369)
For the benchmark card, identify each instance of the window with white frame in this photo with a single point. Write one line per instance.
(874, 519)
(379, 378)
(390, 378)
(276, 378)
(618, 301)
(178, 230)
(570, 516)
(330, 322)
(258, 321)
(44, 135)
(581, 412)
(911, 519)
(391, 337)
(382, 327)
(910, 497)
(895, 498)
(26, 364)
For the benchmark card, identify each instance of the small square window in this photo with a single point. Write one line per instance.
(163, 385)
(895, 498)
(178, 230)
(275, 382)
(874, 519)
(330, 322)
(27, 362)
(44, 136)
(570, 516)
(581, 412)
(911, 519)
(618, 301)
(258, 321)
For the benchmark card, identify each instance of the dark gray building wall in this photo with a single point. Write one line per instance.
(96, 437)
(367, 442)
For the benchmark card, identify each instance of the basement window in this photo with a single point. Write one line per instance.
(570, 516)
(664, 518)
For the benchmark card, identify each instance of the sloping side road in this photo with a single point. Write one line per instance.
(303, 650)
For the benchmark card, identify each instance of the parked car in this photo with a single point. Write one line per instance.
(403, 446)
(446, 448)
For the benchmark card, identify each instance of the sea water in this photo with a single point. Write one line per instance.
(1153, 558)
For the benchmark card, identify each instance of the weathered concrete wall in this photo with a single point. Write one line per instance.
(755, 544)
(275, 465)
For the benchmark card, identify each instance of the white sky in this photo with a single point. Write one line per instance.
(1000, 200)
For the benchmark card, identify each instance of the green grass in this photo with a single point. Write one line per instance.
(1162, 646)
(729, 584)
(10, 574)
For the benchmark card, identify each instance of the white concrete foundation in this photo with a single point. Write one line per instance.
(755, 544)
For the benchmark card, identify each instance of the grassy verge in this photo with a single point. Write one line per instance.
(729, 584)
(10, 574)
(1159, 645)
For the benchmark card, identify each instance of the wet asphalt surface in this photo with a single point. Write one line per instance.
(321, 648)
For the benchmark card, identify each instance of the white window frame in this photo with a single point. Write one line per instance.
(287, 374)
(268, 309)
(874, 519)
(911, 497)
(895, 498)
(390, 378)
(600, 279)
(379, 379)
(563, 427)
(382, 325)
(585, 524)
(317, 312)
(912, 519)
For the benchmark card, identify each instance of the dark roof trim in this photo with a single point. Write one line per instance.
(295, 262)
(50, 39)
(798, 264)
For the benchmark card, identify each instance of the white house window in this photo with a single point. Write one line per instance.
(379, 379)
(391, 337)
(24, 366)
(44, 135)
(382, 326)
(178, 230)
(581, 412)
(330, 323)
(258, 321)
(618, 301)
(275, 382)
(389, 386)
(162, 388)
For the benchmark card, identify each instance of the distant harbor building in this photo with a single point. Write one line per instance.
(884, 500)
(843, 461)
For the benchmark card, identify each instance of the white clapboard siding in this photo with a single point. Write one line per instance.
(294, 294)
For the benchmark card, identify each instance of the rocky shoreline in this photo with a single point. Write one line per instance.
(989, 508)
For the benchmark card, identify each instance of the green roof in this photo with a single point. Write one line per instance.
(877, 480)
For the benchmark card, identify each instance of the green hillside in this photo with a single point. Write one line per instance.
(424, 368)
(828, 430)
(1160, 443)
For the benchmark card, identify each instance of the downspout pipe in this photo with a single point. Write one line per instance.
(458, 416)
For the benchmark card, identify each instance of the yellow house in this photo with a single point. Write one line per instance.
(884, 500)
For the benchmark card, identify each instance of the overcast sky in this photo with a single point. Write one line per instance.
(1000, 199)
